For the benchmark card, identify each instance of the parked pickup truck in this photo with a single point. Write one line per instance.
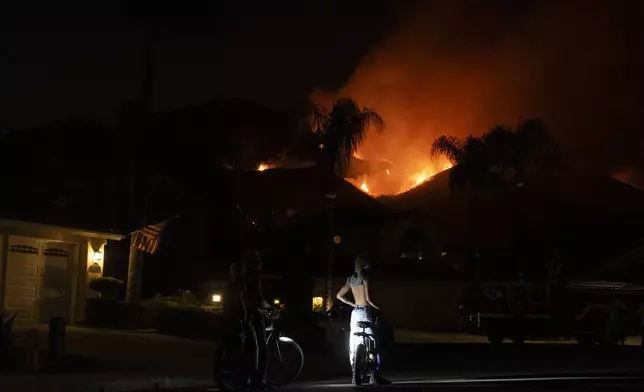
(590, 312)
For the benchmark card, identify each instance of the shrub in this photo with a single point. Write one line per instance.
(108, 288)
(112, 314)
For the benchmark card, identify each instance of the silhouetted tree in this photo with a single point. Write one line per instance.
(482, 162)
(471, 172)
(528, 148)
(338, 132)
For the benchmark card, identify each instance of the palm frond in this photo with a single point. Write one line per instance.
(373, 119)
(448, 146)
(501, 144)
(342, 129)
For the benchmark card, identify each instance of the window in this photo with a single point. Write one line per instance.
(56, 252)
(26, 249)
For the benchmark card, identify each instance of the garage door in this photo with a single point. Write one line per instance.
(38, 279)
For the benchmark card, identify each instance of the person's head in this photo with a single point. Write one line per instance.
(361, 264)
(236, 270)
(252, 261)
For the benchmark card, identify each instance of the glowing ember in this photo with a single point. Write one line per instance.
(265, 166)
(364, 187)
(422, 177)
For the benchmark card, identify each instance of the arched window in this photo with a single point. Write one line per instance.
(411, 244)
(27, 249)
(56, 252)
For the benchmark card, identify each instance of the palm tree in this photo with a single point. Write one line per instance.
(338, 132)
(527, 149)
(471, 172)
(482, 162)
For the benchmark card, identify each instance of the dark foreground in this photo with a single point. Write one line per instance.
(136, 362)
(503, 384)
(474, 367)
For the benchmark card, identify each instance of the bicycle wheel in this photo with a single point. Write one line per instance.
(359, 365)
(285, 361)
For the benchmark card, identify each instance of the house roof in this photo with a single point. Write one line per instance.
(36, 226)
(294, 192)
(593, 218)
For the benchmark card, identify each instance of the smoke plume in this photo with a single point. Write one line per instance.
(460, 67)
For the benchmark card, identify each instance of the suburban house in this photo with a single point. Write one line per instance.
(45, 269)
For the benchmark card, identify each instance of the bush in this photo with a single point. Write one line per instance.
(108, 313)
(108, 288)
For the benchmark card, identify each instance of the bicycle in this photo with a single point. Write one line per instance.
(285, 357)
(366, 357)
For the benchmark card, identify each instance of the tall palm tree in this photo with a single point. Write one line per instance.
(528, 148)
(338, 132)
(471, 172)
(482, 162)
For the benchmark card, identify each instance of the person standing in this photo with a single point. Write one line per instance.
(255, 304)
(358, 284)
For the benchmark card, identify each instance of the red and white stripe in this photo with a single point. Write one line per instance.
(148, 238)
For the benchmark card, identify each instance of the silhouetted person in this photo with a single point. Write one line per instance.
(235, 317)
(254, 302)
(234, 307)
(358, 283)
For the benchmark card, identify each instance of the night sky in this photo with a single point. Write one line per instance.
(86, 57)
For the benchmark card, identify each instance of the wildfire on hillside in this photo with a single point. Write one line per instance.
(396, 179)
(265, 166)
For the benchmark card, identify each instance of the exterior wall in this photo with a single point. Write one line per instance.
(82, 282)
(4, 249)
(409, 304)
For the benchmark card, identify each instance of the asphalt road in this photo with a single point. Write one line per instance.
(502, 384)
(413, 361)
(119, 361)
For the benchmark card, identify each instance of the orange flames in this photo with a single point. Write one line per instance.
(265, 166)
(395, 180)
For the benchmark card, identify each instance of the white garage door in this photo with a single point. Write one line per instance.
(38, 279)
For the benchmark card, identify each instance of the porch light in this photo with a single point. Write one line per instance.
(216, 298)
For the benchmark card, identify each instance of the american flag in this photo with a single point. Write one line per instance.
(148, 238)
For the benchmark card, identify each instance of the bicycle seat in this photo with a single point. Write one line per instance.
(364, 324)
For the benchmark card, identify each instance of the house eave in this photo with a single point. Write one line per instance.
(25, 225)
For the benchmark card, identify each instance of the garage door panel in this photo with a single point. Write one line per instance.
(24, 313)
(56, 262)
(22, 281)
(52, 293)
(24, 291)
(14, 268)
(54, 274)
(20, 303)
